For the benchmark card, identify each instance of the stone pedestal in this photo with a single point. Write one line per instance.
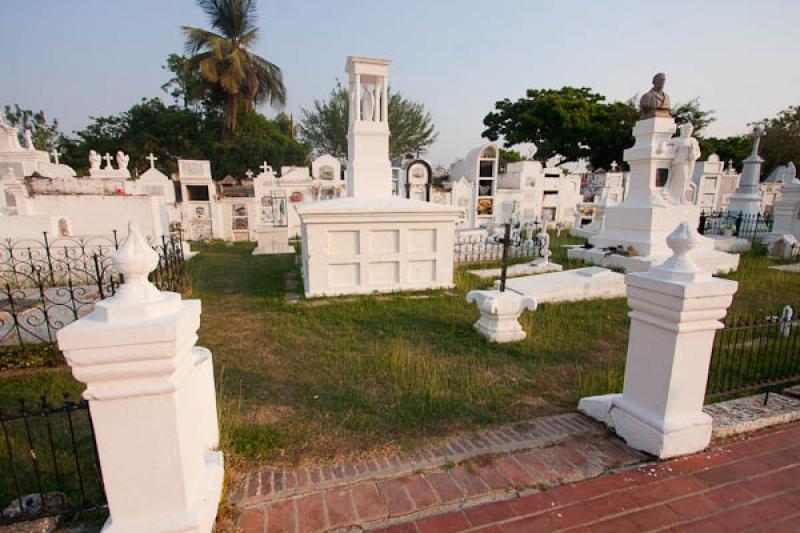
(272, 240)
(152, 400)
(641, 223)
(676, 309)
(500, 313)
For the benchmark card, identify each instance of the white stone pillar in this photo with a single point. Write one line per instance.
(385, 100)
(152, 400)
(676, 309)
(747, 198)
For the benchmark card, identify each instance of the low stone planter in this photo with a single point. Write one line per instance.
(500, 312)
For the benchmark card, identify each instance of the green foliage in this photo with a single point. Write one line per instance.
(781, 143)
(509, 156)
(690, 112)
(43, 133)
(735, 148)
(324, 126)
(570, 122)
(222, 61)
(30, 356)
(173, 132)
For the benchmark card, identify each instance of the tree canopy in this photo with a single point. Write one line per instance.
(173, 132)
(324, 126)
(222, 62)
(43, 133)
(781, 143)
(571, 122)
(576, 123)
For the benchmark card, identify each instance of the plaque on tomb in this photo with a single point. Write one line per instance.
(662, 174)
(485, 206)
(296, 197)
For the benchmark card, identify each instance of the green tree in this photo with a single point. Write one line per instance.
(223, 60)
(735, 148)
(324, 126)
(690, 112)
(173, 132)
(509, 156)
(781, 143)
(43, 133)
(570, 122)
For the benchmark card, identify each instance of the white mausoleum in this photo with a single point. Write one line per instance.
(373, 241)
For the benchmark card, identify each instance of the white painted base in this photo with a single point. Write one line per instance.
(537, 266)
(712, 260)
(272, 240)
(571, 285)
(199, 519)
(662, 438)
(500, 313)
(730, 244)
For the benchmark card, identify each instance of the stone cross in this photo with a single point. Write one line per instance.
(152, 160)
(249, 174)
(758, 132)
(54, 153)
(264, 167)
(614, 166)
(107, 159)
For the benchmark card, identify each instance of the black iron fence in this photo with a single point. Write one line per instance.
(46, 284)
(481, 249)
(48, 461)
(750, 227)
(750, 355)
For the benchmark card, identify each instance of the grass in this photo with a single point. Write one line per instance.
(353, 376)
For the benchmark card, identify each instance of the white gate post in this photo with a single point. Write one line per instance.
(152, 400)
(676, 309)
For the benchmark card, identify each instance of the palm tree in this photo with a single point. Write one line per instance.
(225, 63)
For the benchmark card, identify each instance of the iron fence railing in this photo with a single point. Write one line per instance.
(750, 227)
(480, 249)
(48, 461)
(749, 355)
(46, 284)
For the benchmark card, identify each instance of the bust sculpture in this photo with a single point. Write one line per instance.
(655, 102)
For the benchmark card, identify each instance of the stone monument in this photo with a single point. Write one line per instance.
(659, 197)
(747, 198)
(373, 241)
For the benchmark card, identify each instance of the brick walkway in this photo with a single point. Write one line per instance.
(497, 465)
(747, 484)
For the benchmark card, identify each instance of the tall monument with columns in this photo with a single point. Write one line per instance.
(660, 196)
(373, 241)
(368, 134)
(747, 198)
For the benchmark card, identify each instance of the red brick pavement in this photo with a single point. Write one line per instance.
(497, 465)
(748, 484)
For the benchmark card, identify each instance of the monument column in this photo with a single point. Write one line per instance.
(747, 199)
(368, 131)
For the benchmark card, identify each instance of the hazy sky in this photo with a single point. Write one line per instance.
(81, 58)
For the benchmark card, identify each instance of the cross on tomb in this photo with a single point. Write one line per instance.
(265, 167)
(107, 159)
(54, 153)
(249, 174)
(152, 160)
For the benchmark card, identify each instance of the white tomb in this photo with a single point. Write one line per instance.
(660, 197)
(373, 241)
(590, 283)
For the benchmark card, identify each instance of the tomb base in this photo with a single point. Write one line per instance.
(569, 286)
(365, 245)
(272, 240)
(713, 261)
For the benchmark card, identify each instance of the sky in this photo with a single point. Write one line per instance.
(81, 58)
